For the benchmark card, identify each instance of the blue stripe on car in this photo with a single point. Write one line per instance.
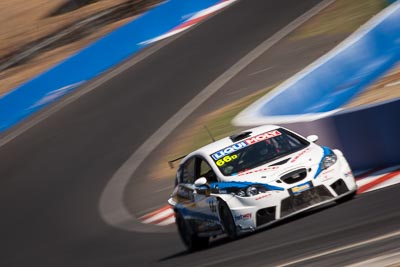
(223, 185)
(326, 151)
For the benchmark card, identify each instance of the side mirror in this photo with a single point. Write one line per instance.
(312, 138)
(200, 182)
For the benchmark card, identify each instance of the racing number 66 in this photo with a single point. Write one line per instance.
(226, 159)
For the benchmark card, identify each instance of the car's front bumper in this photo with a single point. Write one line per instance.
(251, 213)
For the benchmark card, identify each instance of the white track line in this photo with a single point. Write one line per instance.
(169, 221)
(249, 253)
(212, 9)
(372, 177)
(196, 18)
(336, 250)
(389, 259)
(159, 216)
(392, 181)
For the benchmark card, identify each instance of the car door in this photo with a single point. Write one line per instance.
(196, 203)
(206, 201)
(183, 194)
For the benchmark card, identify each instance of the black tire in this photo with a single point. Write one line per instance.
(189, 237)
(346, 198)
(227, 220)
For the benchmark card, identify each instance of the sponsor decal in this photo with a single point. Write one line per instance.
(327, 175)
(258, 170)
(301, 188)
(230, 149)
(295, 158)
(264, 196)
(262, 137)
(250, 141)
(226, 159)
(243, 217)
(328, 171)
(326, 178)
(213, 205)
(348, 174)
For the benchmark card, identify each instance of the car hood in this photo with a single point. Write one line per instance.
(308, 158)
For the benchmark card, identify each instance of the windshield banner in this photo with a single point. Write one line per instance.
(250, 141)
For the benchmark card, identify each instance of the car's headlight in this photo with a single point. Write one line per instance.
(241, 193)
(251, 190)
(328, 161)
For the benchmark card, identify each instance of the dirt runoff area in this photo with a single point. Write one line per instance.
(37, 34)
(386, 88)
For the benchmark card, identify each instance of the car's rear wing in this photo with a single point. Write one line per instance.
(171, 162)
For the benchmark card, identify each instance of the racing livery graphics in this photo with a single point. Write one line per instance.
(252, 179)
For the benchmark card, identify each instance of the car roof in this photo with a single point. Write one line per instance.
(227, 141)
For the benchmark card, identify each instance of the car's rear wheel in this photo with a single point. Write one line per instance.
(227, 219)
(189, 237)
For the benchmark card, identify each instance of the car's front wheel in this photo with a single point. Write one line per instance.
(189, 237)
(227, 219)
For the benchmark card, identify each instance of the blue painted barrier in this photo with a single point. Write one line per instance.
(95, 59)
(334, 79)
(368, 136)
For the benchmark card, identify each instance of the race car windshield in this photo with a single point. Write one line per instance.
(256, 151)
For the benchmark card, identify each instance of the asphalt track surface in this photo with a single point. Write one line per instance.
(52, 176)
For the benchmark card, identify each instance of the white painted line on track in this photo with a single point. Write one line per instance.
(158, 216)
(261, 71)
(239, 255)
(166, 222)
(376, 175)
(389, 259)
(379, 181)
(111, 205)
(393, 181)
(193, 20)
(336, 250)
(222, 4)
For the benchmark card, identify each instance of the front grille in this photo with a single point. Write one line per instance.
(294, 176)
(305, 199)
(266, 215)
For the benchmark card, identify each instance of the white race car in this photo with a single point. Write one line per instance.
(253, 179)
